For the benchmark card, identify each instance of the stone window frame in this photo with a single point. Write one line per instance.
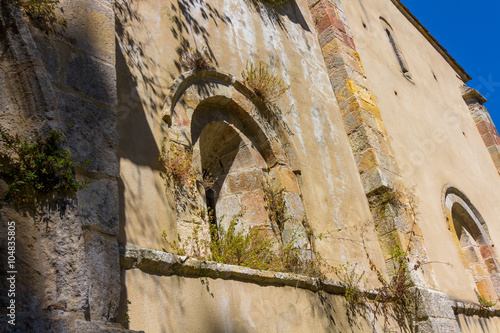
(405, 70)
(454, 200)
(201, 89)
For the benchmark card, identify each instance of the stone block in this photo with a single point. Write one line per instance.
(355, 103)
(365, 137)
(340, 58)
(490, 140)
(98, 206)
(293, 232)
(327, 35)
(356, 118)
(60, 256)
(433, 304)
(50, 59)
(285, 178)
(492, 265)
(333, 47)
(471, 254)
(92, 29)
(376, 178)
(487, 251)
(92, 77)
(370, 159)
(324, 22)
(480, 270)
(226, 208)
(246, 156)
(242, 181)
(254, 211)
(91, 134)
(102, 272)
(486, 289)
(495, 154)
(355, 89)
(294, 207)
(389, 242)
(322, 8)
(274, 155)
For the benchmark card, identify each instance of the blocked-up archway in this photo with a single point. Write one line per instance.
(239, 142)
(470, 232)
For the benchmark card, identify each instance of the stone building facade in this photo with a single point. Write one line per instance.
(376, 110)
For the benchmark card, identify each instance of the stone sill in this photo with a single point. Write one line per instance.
(471, 309)
(163, 263)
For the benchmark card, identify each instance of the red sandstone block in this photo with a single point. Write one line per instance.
(488, 139)
(324, 23)
(487, 251)
(349, 41)
(481, 127)
(323, 8)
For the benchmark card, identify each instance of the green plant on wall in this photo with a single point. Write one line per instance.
(263, 83)
(251, 249)
(36, 169)
(178, 164)
(42, 14)
(397, 289)
(195, 59)
(347, 273)
(483, 302)
(274, 197)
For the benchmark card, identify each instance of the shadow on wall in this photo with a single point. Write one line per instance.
(139, 88)
(66, 254)
(275, 14)
(186, 22)
(137, 143)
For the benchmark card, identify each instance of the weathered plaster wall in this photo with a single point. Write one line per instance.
(152, 34)
(214, 305)
(431, 131)
(187, 295)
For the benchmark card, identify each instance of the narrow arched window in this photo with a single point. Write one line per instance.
(471, 236)
(397, 50)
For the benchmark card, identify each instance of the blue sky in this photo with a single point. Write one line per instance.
(470, 31)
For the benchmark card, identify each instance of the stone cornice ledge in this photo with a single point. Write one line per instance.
(471, 309)
(163, 263)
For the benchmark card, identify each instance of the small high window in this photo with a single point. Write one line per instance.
(397, 50)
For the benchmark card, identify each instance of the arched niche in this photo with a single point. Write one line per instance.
(239, 141)
(471, 236)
